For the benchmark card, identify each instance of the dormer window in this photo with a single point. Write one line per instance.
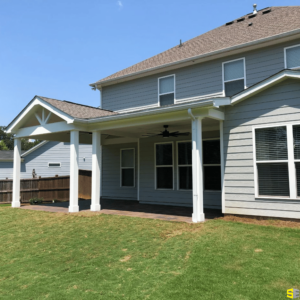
(166, 90)
(234, 78)
(292, 57)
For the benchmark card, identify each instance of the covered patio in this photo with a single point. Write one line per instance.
(130, 208)
(50, 119)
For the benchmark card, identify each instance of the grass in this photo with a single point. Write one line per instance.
(90, 256)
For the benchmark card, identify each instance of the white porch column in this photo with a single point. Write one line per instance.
(16, 174)
(96, 171)
(74, 152)
(198, 210)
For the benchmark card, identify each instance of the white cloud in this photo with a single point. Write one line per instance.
(120, 4)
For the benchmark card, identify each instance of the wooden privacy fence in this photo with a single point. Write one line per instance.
(48, 188)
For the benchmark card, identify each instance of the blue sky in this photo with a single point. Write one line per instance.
(56, 48)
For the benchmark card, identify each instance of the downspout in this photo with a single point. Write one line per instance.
(191, 114)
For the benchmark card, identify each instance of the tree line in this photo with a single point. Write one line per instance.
(7, 141)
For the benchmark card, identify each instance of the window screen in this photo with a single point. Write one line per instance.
(296, 134)
(234, 77)
(166, 90)
(185, 178)
(298, 178)
(212, 165)
(273, 179)
(293, 57)
(271, 144)
(127, 167)
(164, 166)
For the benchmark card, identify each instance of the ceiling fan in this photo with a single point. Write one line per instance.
(166, 133)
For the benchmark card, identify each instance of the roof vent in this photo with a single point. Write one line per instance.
(180, 44)
(266, 11)
(229, 23)
(251, 16)
(254, 9)
(241, 19)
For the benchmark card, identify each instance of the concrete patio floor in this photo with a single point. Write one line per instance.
(131, 208)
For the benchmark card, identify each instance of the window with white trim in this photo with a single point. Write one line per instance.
(127, 168)
(166, 90)
(184, 164)
(234, 80)
(164, 166)
(277, 161)
(292, 57)
(212, 165)
(54, 165)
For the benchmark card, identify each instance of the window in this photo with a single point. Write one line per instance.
(166, 90)
(54, 165)
(127, 168)
(234, 78)
(277, 158)
(212, 165)
(164, 166)
(185, 175)
(292, 57)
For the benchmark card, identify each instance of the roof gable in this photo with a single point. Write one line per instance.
(278, 21)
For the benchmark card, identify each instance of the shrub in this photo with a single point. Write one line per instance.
(34, 201)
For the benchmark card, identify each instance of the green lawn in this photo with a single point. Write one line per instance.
(58, 256)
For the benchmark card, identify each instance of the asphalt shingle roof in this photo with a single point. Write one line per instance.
(7, 154)
(279, 20)
(78, 110)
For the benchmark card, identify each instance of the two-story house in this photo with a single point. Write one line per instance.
(212, 122)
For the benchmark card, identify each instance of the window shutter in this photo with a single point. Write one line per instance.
(293, 57)
(271, 144)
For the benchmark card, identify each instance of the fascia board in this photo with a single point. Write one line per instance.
(263, 85)
(37, 101)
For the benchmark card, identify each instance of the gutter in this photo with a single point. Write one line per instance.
(153, 111)
(191, 114)
(252, 43)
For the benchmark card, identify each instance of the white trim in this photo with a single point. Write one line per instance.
(137, 108)
(256, 44)
(223, 73)
(169, 166)
(16, 193)
(138, 170)
(285, 56)
(34, 148)
(290, 161)
(96, 171)
(54, 166)
(178, 166)
(174, 91)
(222, 167)
(121, 168)
(264, 84)
(197, 98)
(38, 101)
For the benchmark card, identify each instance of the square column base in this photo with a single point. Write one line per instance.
(74, 209)
(95, 207)
(16, 204)
(198, 218)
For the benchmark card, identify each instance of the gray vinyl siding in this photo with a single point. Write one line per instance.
(195, 81)
(58, 152)
(278, 104)
(111, 173)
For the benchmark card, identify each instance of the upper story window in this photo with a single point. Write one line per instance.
(166, 90)
(234, 78)
(127, 167)
(292, 57)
